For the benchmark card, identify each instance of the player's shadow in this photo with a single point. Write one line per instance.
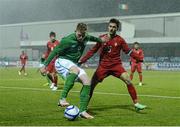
(60, 86)
(94, 109)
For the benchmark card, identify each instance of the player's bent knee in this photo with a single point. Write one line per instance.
(85, 80)
(128, 82)
(75, 70)
(125, 77)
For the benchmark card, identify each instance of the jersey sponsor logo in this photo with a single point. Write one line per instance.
(110, 48)
(107, 49)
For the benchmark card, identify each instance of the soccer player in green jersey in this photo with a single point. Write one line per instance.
(70, 50)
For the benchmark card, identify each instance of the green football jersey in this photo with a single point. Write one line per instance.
(70, 48)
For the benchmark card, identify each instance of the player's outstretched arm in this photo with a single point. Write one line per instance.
(59, 49)
(94, 39)
(90, 53)
(52, 55)
(49, 59)
(93, 50)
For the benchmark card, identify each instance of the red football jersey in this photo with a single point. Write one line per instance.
(139, 52)
(23, 58)
(51, 46)
(110, 51)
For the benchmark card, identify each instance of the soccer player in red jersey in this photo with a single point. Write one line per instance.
(23, 58)
(48, 76)
(135, 64)
(51, 72)
(110, 62)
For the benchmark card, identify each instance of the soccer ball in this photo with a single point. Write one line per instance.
(71, 112)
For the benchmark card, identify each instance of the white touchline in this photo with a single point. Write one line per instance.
(102, 93)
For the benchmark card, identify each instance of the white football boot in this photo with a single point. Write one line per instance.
(140, 84)
(19, 72)
(85, 115)
(52, 85)
(54, 88)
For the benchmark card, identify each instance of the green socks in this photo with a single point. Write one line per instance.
(84, 97)
(69, 83)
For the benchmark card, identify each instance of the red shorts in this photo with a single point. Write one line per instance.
(51, 67)
(103, 72)
(23, 63)
(136, 66)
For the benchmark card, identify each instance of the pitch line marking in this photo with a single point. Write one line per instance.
(101, 93)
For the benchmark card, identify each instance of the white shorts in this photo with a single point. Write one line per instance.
(62, 67)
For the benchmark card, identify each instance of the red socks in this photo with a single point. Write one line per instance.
(132, 92)
(131, 76)
(55, 80)
(140, 77)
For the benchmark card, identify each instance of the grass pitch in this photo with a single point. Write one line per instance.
(25, 101)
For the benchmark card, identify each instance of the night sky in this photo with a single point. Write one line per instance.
(20, 11)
